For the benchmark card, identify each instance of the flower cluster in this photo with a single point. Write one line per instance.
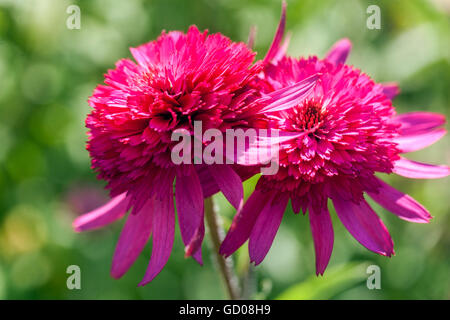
(343, 130)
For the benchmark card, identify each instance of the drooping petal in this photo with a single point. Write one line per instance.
(323, 236)
(245, 172)
(413, 123)
(266, 227)
(417, 170)
(163, 235)
(390, 89)
(229, 183)
(106, 214)
(410, 143)
(243, 222)
(209, 185)
(403, 205)
(364, 225)
(296, 205)
(194, 248)
(274, 47)
(132, 240)
(290, 96)
(339, 51)
(189, 200)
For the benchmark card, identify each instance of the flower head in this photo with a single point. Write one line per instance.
(350, 132)
(178, 79)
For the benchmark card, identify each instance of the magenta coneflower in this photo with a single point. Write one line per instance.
(350, 131)
(178, 79)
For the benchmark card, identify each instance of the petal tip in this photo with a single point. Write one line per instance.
(339, 51)
(76, 226)
(114, 274)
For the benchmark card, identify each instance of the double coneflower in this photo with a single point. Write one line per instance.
(345, 128)
(178, 79)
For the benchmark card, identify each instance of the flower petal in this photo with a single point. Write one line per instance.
(132, 240)
(418, 122)
(209, 185)
(189, 200)
(251, 37)
(163, 234)
(260, 148)
(266, 227)
(106, 214)
(390, 89)
(275, 46)
(296, 205)
(404, 206)
(323, 236)
(229, 183)
(364, 225)
(289, 97)
(243, 223)
(339, 51)
(283, 49)
(417, 170)
(410, 143)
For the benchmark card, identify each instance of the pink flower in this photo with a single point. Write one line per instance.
(350, 131)
(178, 79)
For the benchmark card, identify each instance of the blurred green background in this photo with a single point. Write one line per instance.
(47, 73)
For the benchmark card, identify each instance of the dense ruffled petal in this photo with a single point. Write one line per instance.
(403, 205)
(189, 200)
(339, 51)
(323, 236)
(364, 225)
(266, 227)
(163, 235)
(106, 214)
(132, 240)
(243, 222)
(417, 170)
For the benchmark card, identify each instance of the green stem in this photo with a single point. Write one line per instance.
(216, 236)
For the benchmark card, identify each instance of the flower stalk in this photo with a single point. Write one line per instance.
(216, 236)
